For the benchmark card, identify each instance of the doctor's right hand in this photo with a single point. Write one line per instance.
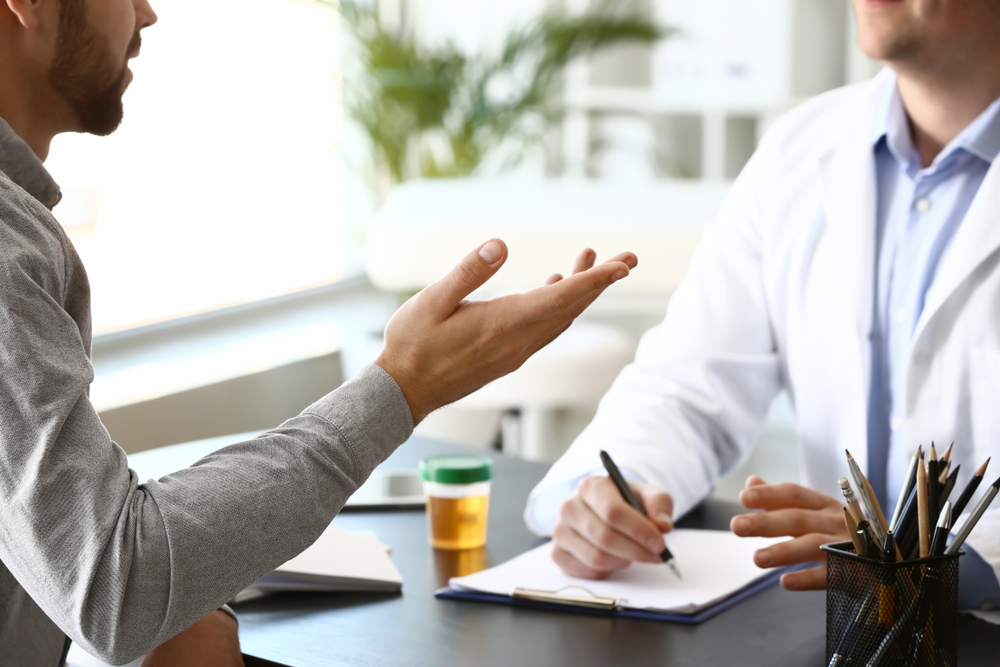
(599, 533)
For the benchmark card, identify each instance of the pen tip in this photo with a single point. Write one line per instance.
(673, 566)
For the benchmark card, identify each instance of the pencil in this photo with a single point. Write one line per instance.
(852, 501)
(944, 465)
(949, 484)
(868, 499)
(923, 526)
(970, 489)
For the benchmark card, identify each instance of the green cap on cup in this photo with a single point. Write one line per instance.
(456, 469)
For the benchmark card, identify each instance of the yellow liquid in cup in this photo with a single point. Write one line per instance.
(458, 523)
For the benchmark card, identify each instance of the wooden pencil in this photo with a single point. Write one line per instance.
(923, 525)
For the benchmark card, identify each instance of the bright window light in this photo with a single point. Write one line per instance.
(223, 184)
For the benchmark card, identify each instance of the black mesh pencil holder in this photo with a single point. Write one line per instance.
(902, 614)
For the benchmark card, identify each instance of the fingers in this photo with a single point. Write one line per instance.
(553, 279)
(596, 546)
(798, 550)
(659, 506)
(584, 260)
(572, 566)
(753, 480)
(810, 579)
(468, 275)
(786, 494)
(598, 532)
(787, 522)
(604, 500)
(571, 295)
(627, 258)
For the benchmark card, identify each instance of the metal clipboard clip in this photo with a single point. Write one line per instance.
(591, 600)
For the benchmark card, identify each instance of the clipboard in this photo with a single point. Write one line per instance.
(596, 605)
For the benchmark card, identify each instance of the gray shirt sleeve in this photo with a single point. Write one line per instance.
(122, 564)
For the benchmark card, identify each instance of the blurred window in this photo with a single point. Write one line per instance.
(223, 185)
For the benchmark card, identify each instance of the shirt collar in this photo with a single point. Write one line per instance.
(980, 138)
(22, 166)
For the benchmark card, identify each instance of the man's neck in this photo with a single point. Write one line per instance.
(17, 103)
(941, 104)
(39, 141)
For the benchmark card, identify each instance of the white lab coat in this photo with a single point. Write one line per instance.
(780, 295)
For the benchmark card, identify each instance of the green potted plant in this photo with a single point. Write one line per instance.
(433, 111)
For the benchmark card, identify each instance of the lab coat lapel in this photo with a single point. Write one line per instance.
(976, 239)
(847, 174)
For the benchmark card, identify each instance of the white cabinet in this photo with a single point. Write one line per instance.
(710, 90)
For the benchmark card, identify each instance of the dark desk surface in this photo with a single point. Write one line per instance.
(317, 630)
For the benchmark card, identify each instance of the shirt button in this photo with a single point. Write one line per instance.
(896, 423)
(923, 204)
(901, 314)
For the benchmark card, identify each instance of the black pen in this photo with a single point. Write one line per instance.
(632, 500)
(941, 530)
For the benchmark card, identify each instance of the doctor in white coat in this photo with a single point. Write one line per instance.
(855, 264)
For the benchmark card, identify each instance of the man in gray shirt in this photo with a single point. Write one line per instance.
(89, 551)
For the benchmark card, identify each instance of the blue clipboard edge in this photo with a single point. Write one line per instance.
(762, 584)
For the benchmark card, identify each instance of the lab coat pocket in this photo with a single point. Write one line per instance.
(984, 376)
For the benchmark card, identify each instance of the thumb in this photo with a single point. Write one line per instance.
(468, 275)
(659, 505)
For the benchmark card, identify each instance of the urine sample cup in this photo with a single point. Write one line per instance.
(457, 487)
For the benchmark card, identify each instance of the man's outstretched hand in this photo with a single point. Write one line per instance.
(810, 517)
(440, 347)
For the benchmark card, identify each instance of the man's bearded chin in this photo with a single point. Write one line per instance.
(82, 72)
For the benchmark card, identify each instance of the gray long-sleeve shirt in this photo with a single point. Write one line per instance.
(88, 549)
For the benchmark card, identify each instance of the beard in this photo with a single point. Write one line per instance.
(85, 74)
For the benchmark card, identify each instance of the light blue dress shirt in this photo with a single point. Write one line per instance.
(919, 211)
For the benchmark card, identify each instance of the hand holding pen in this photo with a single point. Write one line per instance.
(598, 533)
(634, 501)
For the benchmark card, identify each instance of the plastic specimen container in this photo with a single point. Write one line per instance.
(457, 487)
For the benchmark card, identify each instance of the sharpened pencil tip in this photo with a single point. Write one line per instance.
(673, 566)
(982, 468)
(848, 453)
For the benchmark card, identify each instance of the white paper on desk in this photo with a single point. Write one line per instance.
(714, 565)
(337, 561)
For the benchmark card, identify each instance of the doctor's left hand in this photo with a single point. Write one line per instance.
(809, 517)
